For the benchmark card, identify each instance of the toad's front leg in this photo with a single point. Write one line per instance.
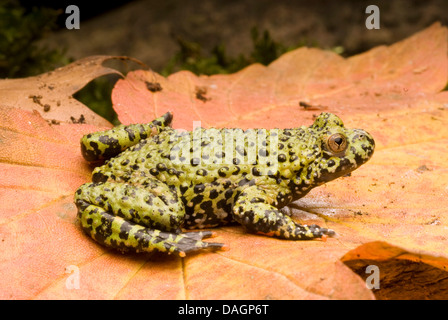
(255, 212)
(107, 144)
(131, 218)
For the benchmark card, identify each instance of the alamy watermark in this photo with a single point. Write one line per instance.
(227, 146)
(72, 281)
(373, 20)
(373, 281)
(73, 20)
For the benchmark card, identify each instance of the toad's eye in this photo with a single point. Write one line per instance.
(337, 143)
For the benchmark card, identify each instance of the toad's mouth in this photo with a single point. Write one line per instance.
(363, 146)
(345, 167)
(368, 149)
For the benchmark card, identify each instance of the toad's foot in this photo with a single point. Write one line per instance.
(319, 232)
(192, 241)
(116, 232)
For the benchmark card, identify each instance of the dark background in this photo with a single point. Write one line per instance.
(148, 29)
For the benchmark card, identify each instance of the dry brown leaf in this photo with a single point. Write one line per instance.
(401, 274)
(51, 93)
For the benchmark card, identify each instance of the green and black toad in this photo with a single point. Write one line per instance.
(157, 181)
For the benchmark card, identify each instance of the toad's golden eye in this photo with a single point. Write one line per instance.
(337, 143)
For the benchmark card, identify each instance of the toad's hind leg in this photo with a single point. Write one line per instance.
(131, 218)
(118, 233)
(107, 144)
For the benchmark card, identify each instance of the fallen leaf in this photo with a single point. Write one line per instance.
(51, 93)
(400, 274)
(391, 200)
